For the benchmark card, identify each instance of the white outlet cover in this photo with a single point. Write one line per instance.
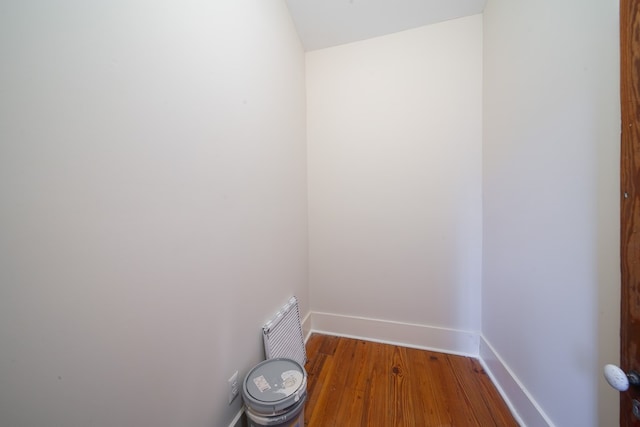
(616, 377)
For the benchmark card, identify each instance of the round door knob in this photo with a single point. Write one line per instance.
(618, 379)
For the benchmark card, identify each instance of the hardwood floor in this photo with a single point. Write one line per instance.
(360, 383)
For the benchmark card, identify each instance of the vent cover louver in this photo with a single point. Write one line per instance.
(283, 335)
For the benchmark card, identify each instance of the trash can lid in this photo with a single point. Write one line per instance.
(274, 385)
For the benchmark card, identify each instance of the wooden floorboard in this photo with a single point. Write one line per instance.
(361, 383)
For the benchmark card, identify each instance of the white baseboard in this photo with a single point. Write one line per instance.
(523, 406)
(443, 340)
(306, 327)
(238, 420)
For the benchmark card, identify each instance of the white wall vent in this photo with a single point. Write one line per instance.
(283, 335)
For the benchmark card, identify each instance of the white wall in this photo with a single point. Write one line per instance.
(152, 205)
(550, 295)
(394, 155)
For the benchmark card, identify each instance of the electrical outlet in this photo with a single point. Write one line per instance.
(233, 387)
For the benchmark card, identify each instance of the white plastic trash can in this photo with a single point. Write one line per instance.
(274, 393)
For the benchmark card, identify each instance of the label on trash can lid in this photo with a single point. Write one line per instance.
(274, 384)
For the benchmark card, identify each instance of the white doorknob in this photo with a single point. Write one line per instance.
(618, 379)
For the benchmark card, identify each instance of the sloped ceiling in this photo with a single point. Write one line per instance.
(326, 23)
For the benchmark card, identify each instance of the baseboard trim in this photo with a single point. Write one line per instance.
(238, 420)
(452, 341)
(306, 327)
(523, 406)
